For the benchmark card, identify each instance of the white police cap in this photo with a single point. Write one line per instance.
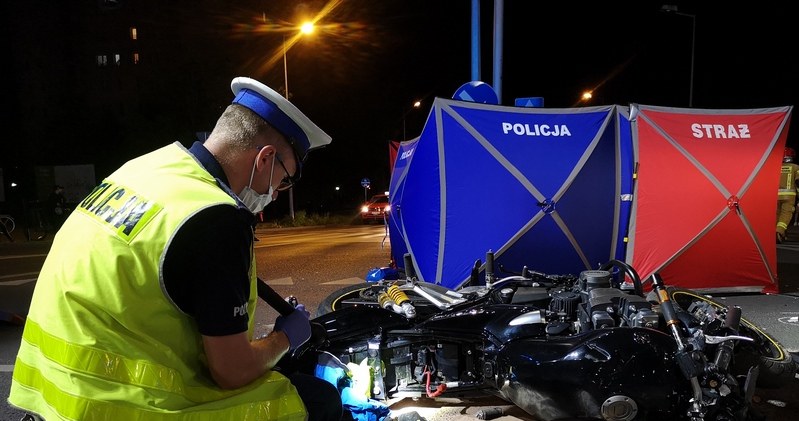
(303, 135)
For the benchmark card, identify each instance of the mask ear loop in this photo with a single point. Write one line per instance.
(252, 173)
(271, 173)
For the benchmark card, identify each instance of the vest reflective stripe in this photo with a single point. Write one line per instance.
(105, 364)
(29, 381)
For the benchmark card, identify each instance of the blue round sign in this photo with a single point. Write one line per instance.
(477, 91)
(365, 183)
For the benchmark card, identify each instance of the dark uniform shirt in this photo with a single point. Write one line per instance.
(206, 267)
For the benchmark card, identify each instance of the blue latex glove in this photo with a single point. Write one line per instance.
(296, 326)
(301, 307)
(362, 408)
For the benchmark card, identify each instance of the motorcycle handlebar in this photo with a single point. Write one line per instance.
(266, 293)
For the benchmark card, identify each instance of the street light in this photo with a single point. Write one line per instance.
(585, 98)
(416, 104)
(670, 8)
(305, 28)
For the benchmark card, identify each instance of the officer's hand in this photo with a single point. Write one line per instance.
(296, 326)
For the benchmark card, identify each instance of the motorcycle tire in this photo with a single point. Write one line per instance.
(365, 291)
(777, 367)
(333, 301)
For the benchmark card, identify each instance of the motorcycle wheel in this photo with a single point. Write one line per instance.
(367, 291)
(777, 367)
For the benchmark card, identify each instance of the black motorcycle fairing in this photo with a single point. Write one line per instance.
(574, 376)
(353, 322)
(492, 322)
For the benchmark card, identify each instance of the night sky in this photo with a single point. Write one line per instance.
(359, 73)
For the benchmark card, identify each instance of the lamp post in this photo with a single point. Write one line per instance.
(416, 104)
(306, 28)
(670, 8)
(285, 70)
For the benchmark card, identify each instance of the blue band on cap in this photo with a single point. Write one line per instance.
(273, 115)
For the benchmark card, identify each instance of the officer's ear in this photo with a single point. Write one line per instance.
(265, 157)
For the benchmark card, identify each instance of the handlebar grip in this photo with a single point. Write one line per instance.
(266, 293)
(410, 272)
(733, 320)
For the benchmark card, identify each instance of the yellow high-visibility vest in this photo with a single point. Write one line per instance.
(102, 340)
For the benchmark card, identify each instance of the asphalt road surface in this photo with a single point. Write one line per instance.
(311, 263)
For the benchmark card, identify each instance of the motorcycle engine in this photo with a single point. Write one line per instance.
(593, 303)
(603, 306)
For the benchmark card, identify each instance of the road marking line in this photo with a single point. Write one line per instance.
(280, 281)
(275, 244)
(345, 281)
(21, 256)
(18, 281)
(290, 281)
(6, 368)
(19, 274)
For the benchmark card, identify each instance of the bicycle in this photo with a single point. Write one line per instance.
(7, 226)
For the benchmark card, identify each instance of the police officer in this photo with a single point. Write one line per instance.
(144, 308)
(786, 196)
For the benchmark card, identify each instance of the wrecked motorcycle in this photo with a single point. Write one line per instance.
(586, 346)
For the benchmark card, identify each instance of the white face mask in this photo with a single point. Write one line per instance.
(257, 202)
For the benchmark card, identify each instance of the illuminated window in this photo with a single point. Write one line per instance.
(117, 59)
(135, 58)
(102, 60)
(133, 33)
